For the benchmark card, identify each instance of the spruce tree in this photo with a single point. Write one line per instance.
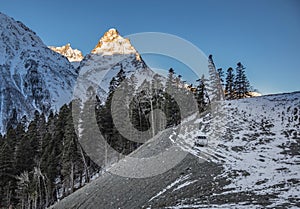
(200, 94)
(8, 181)
(230, 84)
(242, 86)
(171, 108)
(71, 154)
(158, 100)
(221, 76)
(214, 86)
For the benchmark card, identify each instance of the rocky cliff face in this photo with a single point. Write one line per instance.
(32, 77)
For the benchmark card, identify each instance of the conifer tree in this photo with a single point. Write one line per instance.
(221, 76)
(171, 108)
(242, 86)
(230, 85)
(8, 181)
(158, 100)
(200, 94)
(71, 154)
(214, 86)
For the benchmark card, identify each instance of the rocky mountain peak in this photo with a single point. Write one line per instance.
(73, 55)
(111, 35)
(113, 43)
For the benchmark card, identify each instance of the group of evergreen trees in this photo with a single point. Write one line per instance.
(236, 85)
(43, 162)
(140, 102)
(233, 85)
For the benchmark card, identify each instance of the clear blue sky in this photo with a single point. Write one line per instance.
(263, 34)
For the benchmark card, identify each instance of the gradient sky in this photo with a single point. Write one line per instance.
(262, 34)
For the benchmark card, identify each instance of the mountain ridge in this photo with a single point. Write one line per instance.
(74, 56)
(33, 76)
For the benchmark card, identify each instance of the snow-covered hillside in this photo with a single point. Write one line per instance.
(111, 54)
(74, 55)
(33, 77)
(252, 161)
(258, 145)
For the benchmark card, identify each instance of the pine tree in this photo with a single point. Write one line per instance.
(200, 94)
(120, 76)
(144, 105)
(170, 80)
(246, 86)
(91, 113)
(221, 76)
(58, 143)
(214, 86)
(25, 158)
(34, 138)
(51, 158)
(171, 108)
(8, 181)
(230, 85)
(158, 101)
(242, 86)
(71, 154)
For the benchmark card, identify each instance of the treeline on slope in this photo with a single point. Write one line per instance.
(218, 86)
(43, 162)
(235, 84)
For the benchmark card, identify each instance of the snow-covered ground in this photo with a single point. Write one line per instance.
(258, 144)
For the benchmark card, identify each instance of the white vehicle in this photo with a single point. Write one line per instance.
(201, 141)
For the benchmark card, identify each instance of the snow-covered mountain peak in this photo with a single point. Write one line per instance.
(111, 35)
(113, 43)
(33, 77)
(111, 54)
(73, 55)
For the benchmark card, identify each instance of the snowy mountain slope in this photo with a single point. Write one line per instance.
(33, 77)
(74, 55)
(111, 54)
(252, 162)
(259, 149)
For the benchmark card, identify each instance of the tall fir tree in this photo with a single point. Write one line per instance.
(8, 181)
(221, 76)
(214, 86)
(171, 108)
(230, 84)
(242, 86)
(200, 94)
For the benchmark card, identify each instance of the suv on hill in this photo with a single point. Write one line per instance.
(201, 141)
